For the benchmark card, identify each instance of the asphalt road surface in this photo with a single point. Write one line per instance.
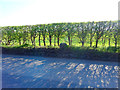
(41, 72)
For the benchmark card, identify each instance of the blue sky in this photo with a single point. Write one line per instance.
(8, 8)
(25, 12)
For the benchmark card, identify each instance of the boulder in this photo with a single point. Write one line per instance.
(63, 45)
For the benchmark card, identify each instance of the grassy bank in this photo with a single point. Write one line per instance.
(102, 54)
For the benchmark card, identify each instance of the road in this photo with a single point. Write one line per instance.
(41, 72)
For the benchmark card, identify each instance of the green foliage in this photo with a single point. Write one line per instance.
(113, 49)
(24, 46)
(102, 35)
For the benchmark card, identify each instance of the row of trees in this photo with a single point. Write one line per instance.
(105, 30)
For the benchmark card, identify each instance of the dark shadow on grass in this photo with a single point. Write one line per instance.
(89, 53)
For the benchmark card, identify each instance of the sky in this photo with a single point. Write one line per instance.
(31, 12)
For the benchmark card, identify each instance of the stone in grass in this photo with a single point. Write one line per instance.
(63, 45)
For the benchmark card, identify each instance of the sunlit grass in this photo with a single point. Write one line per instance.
(103, 47)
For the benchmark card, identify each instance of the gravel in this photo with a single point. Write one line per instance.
(41, 72)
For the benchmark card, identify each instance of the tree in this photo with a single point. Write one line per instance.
(108, 32)
(82, 32)
(115, 33)
(69, 28)
(99, 29)
(105, 32)
(33, 33)
(43, 30)
(39, 33)
(91, 32)
(54, 33)
(50, 32)
(24, 33)
(19, 34)
(59, 31)
(7, 35)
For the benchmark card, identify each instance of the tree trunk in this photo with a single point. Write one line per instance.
(115, 42)
(96, 43)
(102, 41)
(34, 41)
(90, 42)
(109, 42)
(39, 40)
(69, 39)
(115, 36)
(54, 41)
(58, 40)
(82, 43)
(19, 42)
(44, 40)
(8, 43)
(24, 41)
(50, 40)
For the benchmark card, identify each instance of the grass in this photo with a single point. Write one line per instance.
(100, 53)
(73, 48)
(75, 45)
